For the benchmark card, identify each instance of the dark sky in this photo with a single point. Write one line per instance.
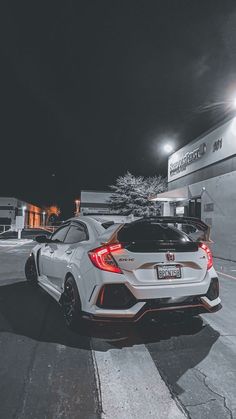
(91, 89)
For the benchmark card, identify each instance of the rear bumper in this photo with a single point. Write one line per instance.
(136, 309)
(192, 309)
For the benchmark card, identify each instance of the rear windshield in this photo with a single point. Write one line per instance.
(151, 231)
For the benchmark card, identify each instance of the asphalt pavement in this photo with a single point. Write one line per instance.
(163, 368)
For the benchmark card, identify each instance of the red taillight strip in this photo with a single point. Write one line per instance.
(206, 249)
(101, 296)
(102, 258)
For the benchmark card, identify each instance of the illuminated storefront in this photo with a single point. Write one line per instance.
(11, 207)
(202, 183)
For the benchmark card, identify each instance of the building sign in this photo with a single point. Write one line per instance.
(179, 210)
(20, 222)
(187, 159)
(215, 146)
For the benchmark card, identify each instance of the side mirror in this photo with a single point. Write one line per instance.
(42, 239)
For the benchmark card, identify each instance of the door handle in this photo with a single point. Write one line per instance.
(68, 252)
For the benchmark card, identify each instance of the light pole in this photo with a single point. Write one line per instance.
(23, 213)
(20, 222)
(77, 204)
(44, 219)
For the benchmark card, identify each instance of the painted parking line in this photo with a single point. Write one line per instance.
(131, 386)
(227, 275)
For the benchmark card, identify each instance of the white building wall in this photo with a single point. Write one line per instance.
(95, 202)
(221, 192)
(5, 212)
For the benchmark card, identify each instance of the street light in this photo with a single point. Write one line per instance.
(168, 148)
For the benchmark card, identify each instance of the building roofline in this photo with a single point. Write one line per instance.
(22, 200)
(211, 129)
(92, 190)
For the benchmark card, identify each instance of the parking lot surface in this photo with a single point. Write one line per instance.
(164, 367)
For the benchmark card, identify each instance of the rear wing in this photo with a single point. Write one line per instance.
(195, 228)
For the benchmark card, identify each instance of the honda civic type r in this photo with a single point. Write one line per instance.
(100, 270)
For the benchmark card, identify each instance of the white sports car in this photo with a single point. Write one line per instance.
(100, 270)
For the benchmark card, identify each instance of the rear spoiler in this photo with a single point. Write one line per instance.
(178, 220)
(189, 221)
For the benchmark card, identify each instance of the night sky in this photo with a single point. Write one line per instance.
(91, 89)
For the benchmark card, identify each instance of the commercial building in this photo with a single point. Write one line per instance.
(202, 183)
(11, 207)
(95, 202)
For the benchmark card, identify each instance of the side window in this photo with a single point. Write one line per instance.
(60, 234)
(77, 233)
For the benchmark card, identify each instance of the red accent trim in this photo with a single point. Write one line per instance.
(142, 313)
(101, 296)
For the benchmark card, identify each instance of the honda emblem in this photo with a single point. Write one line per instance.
(170, 256)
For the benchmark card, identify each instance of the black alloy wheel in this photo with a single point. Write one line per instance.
(70, 302)
(31, 271)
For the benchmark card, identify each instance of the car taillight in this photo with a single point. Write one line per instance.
(102, 258)
(206, 249)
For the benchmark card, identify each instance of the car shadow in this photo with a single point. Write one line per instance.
(175, 343)
(29, 311)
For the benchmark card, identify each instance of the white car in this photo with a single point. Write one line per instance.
(100, 270)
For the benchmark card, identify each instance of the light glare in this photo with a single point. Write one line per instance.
(168, 148)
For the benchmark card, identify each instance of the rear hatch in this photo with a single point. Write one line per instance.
(159, 251)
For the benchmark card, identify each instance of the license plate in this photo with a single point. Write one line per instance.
(169, 272)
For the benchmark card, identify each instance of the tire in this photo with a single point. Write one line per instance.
(71, 304)
(31, 271)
